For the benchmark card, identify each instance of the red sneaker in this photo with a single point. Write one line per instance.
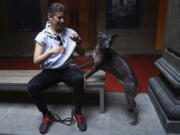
(81, 122)
(47, 121)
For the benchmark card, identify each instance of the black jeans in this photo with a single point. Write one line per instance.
(47, 78)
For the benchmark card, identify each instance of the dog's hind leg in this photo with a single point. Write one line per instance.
(130, 94)
(133, 108)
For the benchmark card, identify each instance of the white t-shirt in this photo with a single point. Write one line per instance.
(48, 40)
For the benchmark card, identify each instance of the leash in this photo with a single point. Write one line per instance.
(69, 120)
(66, 121)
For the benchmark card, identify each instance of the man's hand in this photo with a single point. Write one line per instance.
(76, 38)
(40, 56)
(79, 48)
(59, 49)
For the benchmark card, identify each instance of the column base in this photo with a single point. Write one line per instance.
(167, 109)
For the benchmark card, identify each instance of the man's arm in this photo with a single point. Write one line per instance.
(79, 48)
(40, 56)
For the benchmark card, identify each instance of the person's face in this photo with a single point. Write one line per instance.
(57, 21)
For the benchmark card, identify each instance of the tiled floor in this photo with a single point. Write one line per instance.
(24, 118)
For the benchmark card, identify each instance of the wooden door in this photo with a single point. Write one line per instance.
(80, 16)
(161, 24)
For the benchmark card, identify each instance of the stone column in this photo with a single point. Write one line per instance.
(164, 90)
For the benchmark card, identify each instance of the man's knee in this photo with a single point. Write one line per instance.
(32, 87)
(79, 78)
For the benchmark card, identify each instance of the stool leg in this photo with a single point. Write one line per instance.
(101, 100)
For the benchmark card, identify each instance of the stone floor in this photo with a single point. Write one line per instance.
(23, 118)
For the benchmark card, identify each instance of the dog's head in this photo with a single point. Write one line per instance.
(105, 40)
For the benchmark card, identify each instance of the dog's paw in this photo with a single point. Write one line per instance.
(133, 123)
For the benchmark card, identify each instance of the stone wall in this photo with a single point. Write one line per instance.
(164, 89)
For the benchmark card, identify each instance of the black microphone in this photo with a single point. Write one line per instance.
(60, 41)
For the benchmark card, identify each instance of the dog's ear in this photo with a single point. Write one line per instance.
(113, 36)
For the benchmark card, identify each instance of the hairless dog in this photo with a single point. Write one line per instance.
(108, 60)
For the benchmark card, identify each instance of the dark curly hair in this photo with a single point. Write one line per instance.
(55, 7)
